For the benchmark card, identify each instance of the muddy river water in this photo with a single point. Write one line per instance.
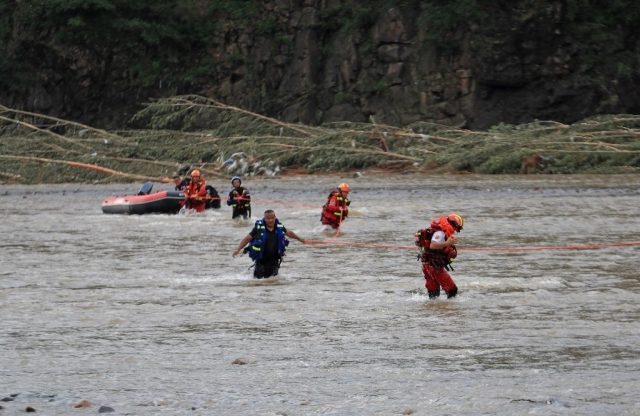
(151, 315)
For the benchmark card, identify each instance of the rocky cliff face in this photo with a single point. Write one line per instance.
(319, 61)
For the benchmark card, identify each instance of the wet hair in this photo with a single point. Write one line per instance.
(269, 211)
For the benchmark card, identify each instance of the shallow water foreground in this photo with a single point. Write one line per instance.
(151, 314)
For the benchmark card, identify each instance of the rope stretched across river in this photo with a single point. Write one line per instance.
(593, 246)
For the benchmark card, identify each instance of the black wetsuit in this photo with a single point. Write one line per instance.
(243, 207)
(213, 200)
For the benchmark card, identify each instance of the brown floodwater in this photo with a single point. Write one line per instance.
(147, 314)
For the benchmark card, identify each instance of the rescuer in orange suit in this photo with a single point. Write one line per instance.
(437, 250)
(336, 210)
(196, 192)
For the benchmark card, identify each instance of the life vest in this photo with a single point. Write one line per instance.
(437, 258)
(443, 224)
(336, 209)
(255, 248)
(196, 191)
(196, 194)
(243, 203)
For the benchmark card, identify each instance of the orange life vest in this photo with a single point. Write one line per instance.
(437, 258)
(196, 194)
(336, 209)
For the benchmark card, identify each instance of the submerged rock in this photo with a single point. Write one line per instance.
(82, 404)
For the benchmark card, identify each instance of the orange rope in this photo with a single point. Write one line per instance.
(285, 203)
(87, 166)
(334, 242)
(596, 246)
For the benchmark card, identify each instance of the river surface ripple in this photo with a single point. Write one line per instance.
(146, 314)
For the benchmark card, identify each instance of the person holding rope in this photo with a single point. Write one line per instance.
(239, 199)
(336, 209)
(266, 245)
(196, 192)
(437, 250)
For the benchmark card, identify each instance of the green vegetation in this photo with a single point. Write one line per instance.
(443, 22)
(142, 33)
(5, 33)
(164, 47)
(112, 52)
(195, 130)
(147, 42)
(350, 17)
(605, 29)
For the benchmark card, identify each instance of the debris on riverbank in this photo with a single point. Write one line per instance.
(223, 140)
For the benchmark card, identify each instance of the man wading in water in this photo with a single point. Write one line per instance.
(437, 250)
(239, 199)
(266, 244)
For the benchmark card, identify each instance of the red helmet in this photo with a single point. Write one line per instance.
(456, 220)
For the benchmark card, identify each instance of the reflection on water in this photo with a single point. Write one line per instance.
(151, 314)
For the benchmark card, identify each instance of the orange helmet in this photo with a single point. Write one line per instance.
(344, 187)
(456, 220)
(195, 173)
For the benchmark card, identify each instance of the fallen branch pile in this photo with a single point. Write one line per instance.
(224, 140)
